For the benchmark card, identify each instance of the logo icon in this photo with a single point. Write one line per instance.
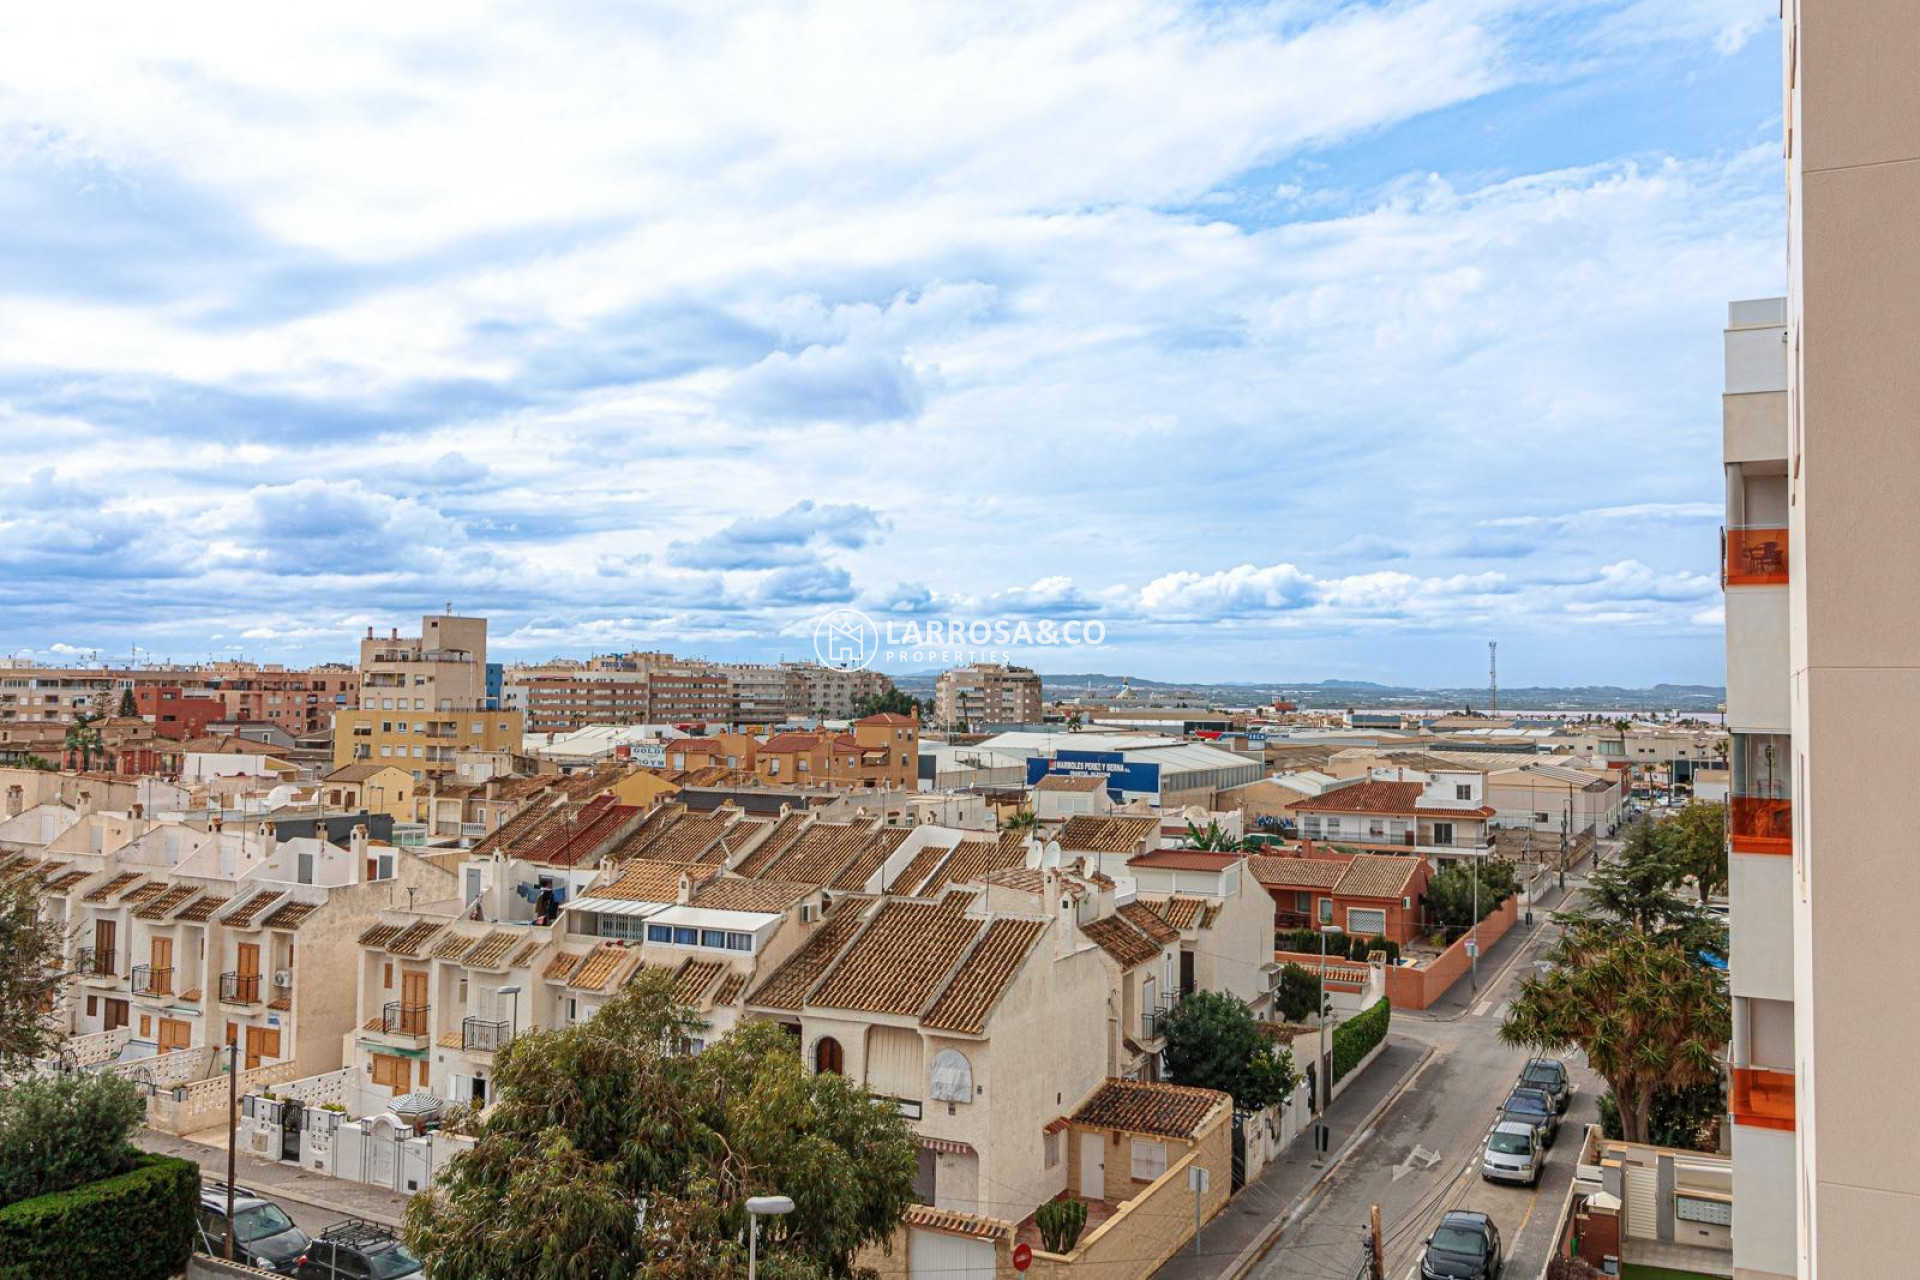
(845, 638)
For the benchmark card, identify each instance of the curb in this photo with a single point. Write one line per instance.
(1269, 1234)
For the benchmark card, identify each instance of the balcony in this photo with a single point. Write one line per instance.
(1760, 824)
(399, 1019)
(1763, 1098)
(149, 980)
(477, 1035)
(239, 988)
(1755, 556)
(1153, 1025)
(96, 962)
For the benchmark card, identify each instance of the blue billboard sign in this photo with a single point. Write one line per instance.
(1137, 779)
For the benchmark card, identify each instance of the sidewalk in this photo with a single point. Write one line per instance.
(1232, 1241)
(281, 1181)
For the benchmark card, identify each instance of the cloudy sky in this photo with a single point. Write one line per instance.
(1294, 340)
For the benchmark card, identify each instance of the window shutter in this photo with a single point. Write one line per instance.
(893, 1062)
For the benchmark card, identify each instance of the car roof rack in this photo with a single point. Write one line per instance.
(358, 1231)
(238, 1190)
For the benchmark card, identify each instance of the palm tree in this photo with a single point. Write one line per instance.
(1020, 820)
(1648, 1015)
(83, 737)
(1215, 838)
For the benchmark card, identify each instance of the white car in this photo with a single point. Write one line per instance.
(1513, 1153)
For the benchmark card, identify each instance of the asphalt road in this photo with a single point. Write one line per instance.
(1422, 1158)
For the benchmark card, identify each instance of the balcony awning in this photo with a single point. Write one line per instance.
(947, 1146)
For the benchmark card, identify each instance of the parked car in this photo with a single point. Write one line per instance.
(1549, 1075)
(1466, 1246)
(1513, 1153)
(263, 1236)
(358, 1250)
(1534, 1107)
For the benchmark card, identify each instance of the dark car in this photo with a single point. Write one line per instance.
(263, 1236)
(1466, 1246)
(1549, 1075)
(357, 1250)
(1536, 1108)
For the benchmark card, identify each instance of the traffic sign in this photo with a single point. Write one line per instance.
(1022, 1256)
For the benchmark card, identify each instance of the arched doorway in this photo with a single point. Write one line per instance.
(828, 1056)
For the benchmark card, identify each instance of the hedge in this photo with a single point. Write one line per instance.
(1355, 1038)
(138, 1225)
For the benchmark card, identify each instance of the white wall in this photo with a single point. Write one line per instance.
(1758, 688)
(1760, 888)
(1763, 1210)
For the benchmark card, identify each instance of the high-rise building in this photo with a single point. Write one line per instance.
(423, 699)
(987, 693)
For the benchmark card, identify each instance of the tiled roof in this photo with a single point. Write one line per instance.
(730, 988)
(241, 917)
(1180, 911)
(190, 996)
(818, 856)
(101, 893)
(1373, 875)
(1122, 941)
(974, 860)
(1185, 859)
(523, 829)
(1144, 918)
(451, 947)
(1365, 797)
(737, 893)
(380, 935)
(288, 915)
(1297, 873)
(358, 772)
(1137, 1106)
(918, 870)
(202, 909)
(691, 839)
(954, 1223)
(646, 880)
(984, 976)
(562, 964)
(592, 826)
(788, 986)
(523, 956)
(452, 1040)
(489, 951)
(899, 961)
(161, 907)
(66, 880)
(603, 967)
(1086, 834)
(413, 939)
(772, 845)
(1070, 782)
(143, 893)
(695, 976)
(281, 1004)
(855, 874)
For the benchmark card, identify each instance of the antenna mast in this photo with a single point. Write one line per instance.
(1493, 677)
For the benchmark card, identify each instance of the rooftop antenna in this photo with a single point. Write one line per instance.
(1493, 677)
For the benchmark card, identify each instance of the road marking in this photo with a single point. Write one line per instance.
(1480, 1009)
(1419, 1155)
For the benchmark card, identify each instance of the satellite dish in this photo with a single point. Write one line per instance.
(952, 1077)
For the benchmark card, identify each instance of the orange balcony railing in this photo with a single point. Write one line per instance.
(1760, 824)
(1762, 1098)
(1756, 556)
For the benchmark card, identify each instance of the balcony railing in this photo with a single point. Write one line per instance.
(240, 988)
(151, 981)
(478, 1035)
(1760, 824)
(96, 962)
(404, 1019)
(1756, 556)
(1152, 1024)
(1763, 1098)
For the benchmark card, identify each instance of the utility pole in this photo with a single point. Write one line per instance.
(1473, 943)
(1493, 677)
(1376, 1249)
(233, 1107)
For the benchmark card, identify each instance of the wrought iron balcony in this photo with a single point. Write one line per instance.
(477, 1035)
(399, 1019)
(240, 988)
(149, 980)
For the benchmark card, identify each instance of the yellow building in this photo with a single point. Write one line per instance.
(423, 743)
(377, 788)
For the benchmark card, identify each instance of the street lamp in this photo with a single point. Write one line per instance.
(758, 1207)
(513, 1028)
(1321, 1088)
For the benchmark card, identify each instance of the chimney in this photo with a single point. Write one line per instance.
(215, 823)
(269, 840)
(357, 842)
(684, 894)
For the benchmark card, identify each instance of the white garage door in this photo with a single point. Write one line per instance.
(939, 1256)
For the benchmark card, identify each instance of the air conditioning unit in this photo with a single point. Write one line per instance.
(283, 978)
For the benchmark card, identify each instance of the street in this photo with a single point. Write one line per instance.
(312, 1200)
(1422, 1155)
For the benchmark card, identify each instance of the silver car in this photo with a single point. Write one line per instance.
(1513, 1153)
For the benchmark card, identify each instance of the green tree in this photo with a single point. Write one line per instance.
(58, 1132)
(1685, 1118)
(596, 1120)
(1213, 1042)
(893, 700)
(1297, 994)
(1214, 837)
(1451, 893)
(32, 973)
(1020, 820)
(1694, 841)
(129, 708)
(1646, 1013)
(83, 736)
(1637, 891)
(31, 761)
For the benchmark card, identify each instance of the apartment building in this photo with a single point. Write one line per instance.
(300, 701)
(833, 693)
(423, 701)
(1442, 814)
(877, 751)
(988, 693)
(1852, 451)
(561, 703)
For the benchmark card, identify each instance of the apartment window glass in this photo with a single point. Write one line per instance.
(659, 933)
(1366, 920)
(620, 927)
(739, 942)
(685, 937)
(1463, 791)
(713, 938)
(1326, 911)
(1303, 902)
(1443, 833)
(1149, 1160)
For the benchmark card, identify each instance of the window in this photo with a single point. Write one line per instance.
(1326, 911)
(1443, 833)
(1053, 1150)
(1369, 922)
(829, 1057)
(1149, 1160)
(713, 938)
(685, 937)
(1303, 902)
(739, 942)
(1463, 791)
(623, 927)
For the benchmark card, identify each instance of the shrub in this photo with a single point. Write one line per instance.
(1297, 994)
(138, 1225)
(58, 1132)
(1060, 1223)
(1355, 1038)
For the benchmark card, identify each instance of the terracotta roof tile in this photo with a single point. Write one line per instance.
(603, 967)
(730, 988)
(241, 917)
(1179, 910)
(788, 986)
(822, 852)
(489, 951)
(66, 880)
(899, 962)
(695, 976)
(1297, 873)
(413, 939)
(954, 1223)
(201, 910)
(1365, 797)
(1122, 941)
(454, 945)
(379, 935)
(562, 964)
(647, 880)
(281, 1004)
(919, 870)
(1137, 1106)
(1070, 782)
(1144, 918)
(289, 915)
(854, 876)
(526, 954)
(1086, 834)
(984, 976)
(737, 893)
(159, 908)
(775, 843)
(190, 996)
(143, 893)
(974, 860)
(1373, 875)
